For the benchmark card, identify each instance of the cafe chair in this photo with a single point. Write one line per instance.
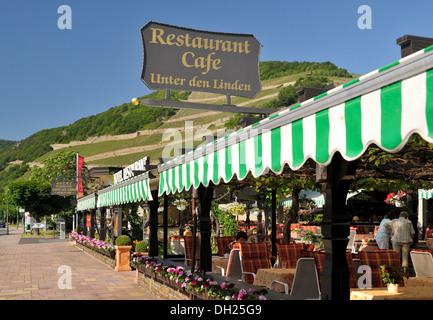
(223, 244)
(375, 259)
(305, 285)
(319, 260)
(290, 253)
(351, 243)
(286, 286)
(188, 251)
(422, 263)
(234, 268)
(253, 256)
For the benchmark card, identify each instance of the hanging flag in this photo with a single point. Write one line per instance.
(80, 162)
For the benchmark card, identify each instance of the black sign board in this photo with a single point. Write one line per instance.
(178, 58)
(63, 188)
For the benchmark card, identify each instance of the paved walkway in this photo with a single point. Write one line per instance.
(29, 269)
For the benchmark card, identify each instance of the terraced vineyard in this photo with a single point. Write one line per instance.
(122, 150)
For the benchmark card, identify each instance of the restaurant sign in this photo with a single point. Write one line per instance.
(63, 188)
(132, 170)
(185, 59)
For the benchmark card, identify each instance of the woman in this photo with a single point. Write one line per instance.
(383, 233)
(241, 236)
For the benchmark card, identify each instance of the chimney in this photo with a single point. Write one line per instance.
(306, 93)
(410, 44)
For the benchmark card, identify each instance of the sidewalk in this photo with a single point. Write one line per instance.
(29, 271)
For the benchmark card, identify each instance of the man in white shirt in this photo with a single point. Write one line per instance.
(402, 237)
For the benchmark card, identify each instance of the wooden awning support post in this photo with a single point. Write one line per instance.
(205, 196)
(336, 179)
(92, 223)
(85, 223)
(103, 222)
(274, 222)
(153, 224)
(79, 221)
(165, 227)
(194, 228)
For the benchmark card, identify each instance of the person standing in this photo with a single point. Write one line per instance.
(383, 234)
(402, 237)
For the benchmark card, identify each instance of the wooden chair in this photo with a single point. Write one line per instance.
(253, 256)
(223, 244)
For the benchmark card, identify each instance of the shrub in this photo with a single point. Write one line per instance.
(123, 240)
(141, 246)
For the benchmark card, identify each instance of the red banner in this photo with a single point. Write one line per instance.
(80, 162)
(88, 221)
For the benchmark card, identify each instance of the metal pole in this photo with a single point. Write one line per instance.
(7, 218)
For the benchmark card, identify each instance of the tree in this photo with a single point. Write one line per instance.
(59, 166)
(35, 196)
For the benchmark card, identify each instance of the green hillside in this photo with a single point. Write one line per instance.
(279, 80)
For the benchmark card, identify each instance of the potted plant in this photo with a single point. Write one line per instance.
(180, 204)
(309, 237)
(392, 277)
(235, 208)
(398, 200)
(142, 247)
(123, 245)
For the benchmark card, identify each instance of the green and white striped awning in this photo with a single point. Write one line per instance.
(319, 199)
(132, 190)
(384, 107)
(425, 194)
(86, 203)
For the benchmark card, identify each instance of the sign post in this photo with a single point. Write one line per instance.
(63, 188)
(177, 58)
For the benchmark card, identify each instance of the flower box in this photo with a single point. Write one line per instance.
(202, 295)
(195, 286)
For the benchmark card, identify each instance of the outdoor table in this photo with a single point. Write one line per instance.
(405, 293)
(419, 282)
(220, 262)
(264, 278)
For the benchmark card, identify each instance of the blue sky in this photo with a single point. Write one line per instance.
(51, 77)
